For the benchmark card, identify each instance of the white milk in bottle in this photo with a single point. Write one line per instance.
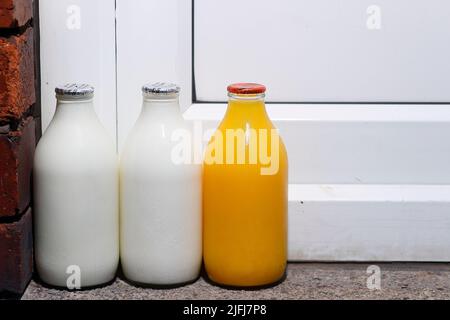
(76, 192)
(161, 220)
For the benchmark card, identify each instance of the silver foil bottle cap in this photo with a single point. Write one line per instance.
(75, 90)
(161, 88)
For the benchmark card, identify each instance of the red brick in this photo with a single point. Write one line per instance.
(15, 13)
(16, 254)
(17, 87)
(16, 163)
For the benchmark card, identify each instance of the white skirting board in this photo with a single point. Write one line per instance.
(356, 223)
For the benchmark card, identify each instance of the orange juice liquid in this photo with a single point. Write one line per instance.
(245, 212)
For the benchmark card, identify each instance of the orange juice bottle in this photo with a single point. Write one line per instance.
(245, 195)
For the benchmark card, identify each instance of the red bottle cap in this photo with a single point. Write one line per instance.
(246, 88)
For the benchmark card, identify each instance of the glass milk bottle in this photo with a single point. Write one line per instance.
(161, 219)
(245, 195)
(76, 192)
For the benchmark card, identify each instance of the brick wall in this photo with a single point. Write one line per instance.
(19, 132)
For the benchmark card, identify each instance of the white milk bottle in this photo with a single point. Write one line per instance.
(76, 193)
(161, 215)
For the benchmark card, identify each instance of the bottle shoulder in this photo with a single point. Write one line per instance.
(76, 143)
(155, 133)
(73, 135)
(237, 122)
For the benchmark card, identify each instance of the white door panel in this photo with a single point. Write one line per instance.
(325, 50)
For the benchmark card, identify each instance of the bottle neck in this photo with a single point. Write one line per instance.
(161, 108)
(75, 109)
(246, 108)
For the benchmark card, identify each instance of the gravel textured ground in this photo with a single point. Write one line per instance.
(303, 282)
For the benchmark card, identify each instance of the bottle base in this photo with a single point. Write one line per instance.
(157, 286)
(65, 287)
(84, 280)
(246, 285)
(164, 276)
